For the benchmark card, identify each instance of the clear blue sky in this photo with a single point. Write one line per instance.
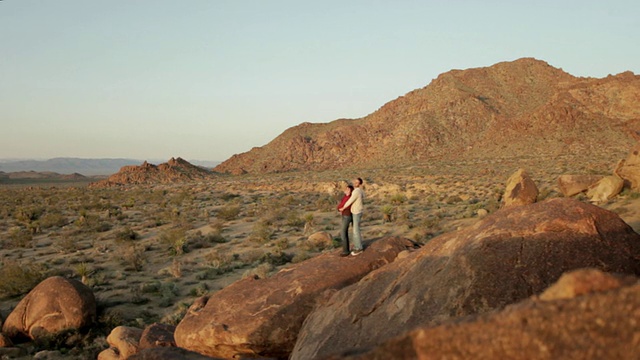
(205, 79)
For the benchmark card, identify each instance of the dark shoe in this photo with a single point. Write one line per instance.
(344, 254)
(356, 252)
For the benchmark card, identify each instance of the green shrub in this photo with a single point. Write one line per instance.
(52, 219)
(262, 232)
(387, 212)
(300, 257)
(261, 271)
(294, 220)
(133, 256)
(17, 279)
(19, 238)
(398, 198)
(28, 214)
(175, 240)
(126, 235)
(228, 196)
(229, 212)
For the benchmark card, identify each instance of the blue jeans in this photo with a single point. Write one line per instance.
(357, 238)
(344, 232)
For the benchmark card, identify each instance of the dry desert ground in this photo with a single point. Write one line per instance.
(148, 252)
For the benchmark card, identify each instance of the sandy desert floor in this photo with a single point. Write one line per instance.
(149, 251)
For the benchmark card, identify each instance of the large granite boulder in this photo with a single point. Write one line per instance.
(520, 190)
(570, 185)
(600, 320)
(55, 305)
(157, 335)
(125, 339)
(261, 317)
(506, 257)
(169, 353)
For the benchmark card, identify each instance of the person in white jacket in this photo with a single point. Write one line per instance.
(356, 201)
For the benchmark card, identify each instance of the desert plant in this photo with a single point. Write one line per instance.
(28, 214)
(262, 232)
(19, 278)
(175, 240)
(52, 219)
(260, 272)
(82, 270)
(228, 212)
(133, 256)
(177, 315)
(294, 220)
(19, 238)
(176, 269)
(387, 212)
(300, 257)
(251, 257)
(277, 258)
(282, 244)
(126, 235)
(398, 198)
(228, 196)
(200, 290)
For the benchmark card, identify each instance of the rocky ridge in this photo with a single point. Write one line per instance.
(509, 109)
(176, 170)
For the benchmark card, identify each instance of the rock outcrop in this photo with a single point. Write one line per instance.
(176, 170)
(605, 189)
(629, 169)
(262, 317)
(570, 185)
(125, 340)
(520, 190)
(510, 109)
(55, 305)
(169, 353)
(506, 257)
(157, 335)
(601, 323)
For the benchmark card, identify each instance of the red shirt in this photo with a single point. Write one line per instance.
(347, 210)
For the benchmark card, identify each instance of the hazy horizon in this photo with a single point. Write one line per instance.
(206, 80)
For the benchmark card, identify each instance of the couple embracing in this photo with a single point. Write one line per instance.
(351, 207)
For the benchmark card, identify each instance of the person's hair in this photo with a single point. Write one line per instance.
(350, 187)
(360, 181)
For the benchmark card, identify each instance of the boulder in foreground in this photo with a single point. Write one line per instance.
(55, 305)
(262, 317)
(600, 321)
(506, 257)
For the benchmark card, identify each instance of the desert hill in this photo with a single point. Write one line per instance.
(510, 109)
(39, 176)
(176, 170)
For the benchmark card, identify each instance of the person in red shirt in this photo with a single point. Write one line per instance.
(347, 219)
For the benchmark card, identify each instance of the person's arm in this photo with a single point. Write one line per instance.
(354, 196)
(344, 200)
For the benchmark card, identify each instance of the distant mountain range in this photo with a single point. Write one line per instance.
(511, 109)
(87, 167)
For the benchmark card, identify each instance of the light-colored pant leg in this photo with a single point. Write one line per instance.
(357, 237)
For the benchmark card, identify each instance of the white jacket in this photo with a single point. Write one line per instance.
(356, 201)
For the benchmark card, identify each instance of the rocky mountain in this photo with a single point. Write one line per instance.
(27, 176)
(175, 170)
(509, 109)
(88, 167)
(64, 165)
